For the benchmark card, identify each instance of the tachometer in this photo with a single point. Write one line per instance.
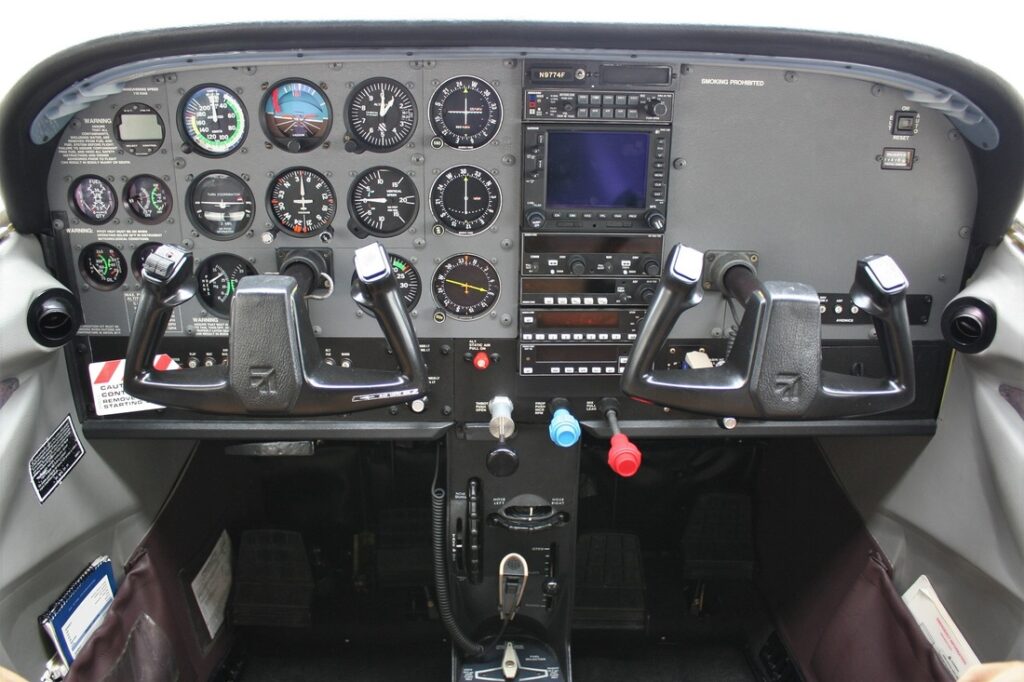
(409, 283)
(383, 202)
(93, 199)
(465, 199)
(466, 286)
(381, 115)
(103, 265)
(465, 112)
(220, 204)
(302, 201)
(296, 115)
(213, 120)
(148, 199)
(218, 278)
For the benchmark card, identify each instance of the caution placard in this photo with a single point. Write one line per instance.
(107, 381)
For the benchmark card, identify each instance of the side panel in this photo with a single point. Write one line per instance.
(104, 505)
(951, 507)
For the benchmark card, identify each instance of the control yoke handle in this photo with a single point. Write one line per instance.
(276, 367)
(774, 369)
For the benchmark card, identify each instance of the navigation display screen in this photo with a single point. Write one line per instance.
(597, 169)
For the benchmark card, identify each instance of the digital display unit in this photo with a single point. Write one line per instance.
(597, 169)
(595, 177)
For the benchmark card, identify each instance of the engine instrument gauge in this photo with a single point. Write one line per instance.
(302, 201)
(213, 120)
(93, 199)
(218, 278)
(466, 286)
(381, 115)
(465, 112)
(139, 129)
(296, 115)
(140, 255)
(465, 199)
(383, 202)
(409, 283)
(220, 205)
(148, 199)
(103, 265)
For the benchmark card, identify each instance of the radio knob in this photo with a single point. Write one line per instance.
(651, 267)
(655, 107)
(655, 220)
(535, 219)
(577, 265)
(646, 294)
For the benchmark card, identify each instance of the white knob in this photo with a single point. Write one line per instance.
(501, 424)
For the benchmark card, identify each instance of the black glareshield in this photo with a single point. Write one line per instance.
(774, 369)
(277, 373)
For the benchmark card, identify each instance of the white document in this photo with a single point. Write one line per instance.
(212, 585)
(938, 626)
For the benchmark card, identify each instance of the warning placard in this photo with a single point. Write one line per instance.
(55, 459)
(107, 381)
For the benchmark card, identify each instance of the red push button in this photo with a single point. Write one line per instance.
(481, 361)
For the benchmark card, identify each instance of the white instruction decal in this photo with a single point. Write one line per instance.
(212, 585)
(107, 381)
(55, 459)
(938, 627)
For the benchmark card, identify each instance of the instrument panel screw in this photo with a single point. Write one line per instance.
(506, 244)
(506, 320)
(445, 349)
(359, 312)
(392, 410)
(789, 76)
(509, 159)
(318, 330)
(418, 159)
(964, 232)
(716, 333)
(877, 89)
(58, 224)
(678, 164)
(419, 243)
(446, 410)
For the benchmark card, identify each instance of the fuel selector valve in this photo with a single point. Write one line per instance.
(623, 456)
(564, 429)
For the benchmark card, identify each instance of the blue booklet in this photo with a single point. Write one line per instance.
(80, 609)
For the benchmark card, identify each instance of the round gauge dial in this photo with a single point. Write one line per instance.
(465, 199)
(383, 202)
(302, 201)
(220, 204)
(139, 129)
(148, 199)
(140, 255)
(381, 114)
(466, 286)
(213, 120)
(296, 115)
(103, 265)
(465, 112)
(409, 283)
(93, 199)
(218, 278)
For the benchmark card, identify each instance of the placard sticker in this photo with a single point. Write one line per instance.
(55, 459)
(107, 381)
(212, 585)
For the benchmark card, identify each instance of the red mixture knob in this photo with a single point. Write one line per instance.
(624, 457)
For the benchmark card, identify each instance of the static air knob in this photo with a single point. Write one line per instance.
(502, 461)
(655, 107)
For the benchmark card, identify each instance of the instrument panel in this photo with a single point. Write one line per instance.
(527, 200)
